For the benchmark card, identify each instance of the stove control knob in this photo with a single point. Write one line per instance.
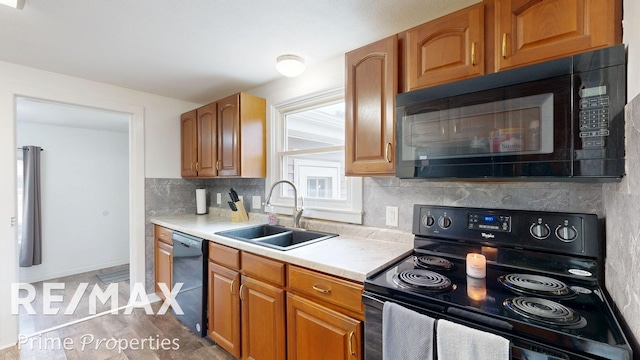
(566, 233)
(428, 221)
(540, 231)
(444, 222)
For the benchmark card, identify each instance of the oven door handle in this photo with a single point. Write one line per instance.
(480, 318)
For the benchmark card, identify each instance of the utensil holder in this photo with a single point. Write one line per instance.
(241, 214)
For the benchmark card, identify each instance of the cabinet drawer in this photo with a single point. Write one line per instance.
(262, 268)
(339, 292)
(163, 234)
(224, 255)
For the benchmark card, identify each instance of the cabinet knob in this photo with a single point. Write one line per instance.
(387, 152)
(218, 165)
(241, 287)
(232, 287)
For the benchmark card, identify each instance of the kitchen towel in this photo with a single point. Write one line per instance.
(455, 341)
(406, 334)
(201, 201)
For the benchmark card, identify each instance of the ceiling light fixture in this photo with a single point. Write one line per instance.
(16, 4)
(290, 65)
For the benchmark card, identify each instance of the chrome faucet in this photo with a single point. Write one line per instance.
(297, 213)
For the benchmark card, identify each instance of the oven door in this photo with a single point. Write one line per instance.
(521, 349)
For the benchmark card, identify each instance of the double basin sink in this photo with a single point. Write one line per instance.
(276, 237)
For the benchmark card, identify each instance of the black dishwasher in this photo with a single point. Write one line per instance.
(189, 269)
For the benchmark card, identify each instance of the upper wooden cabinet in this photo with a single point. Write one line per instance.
(228, 138)
(446, 49)
(189, 143)
(207, 140)
(529, 31)
(371, 88)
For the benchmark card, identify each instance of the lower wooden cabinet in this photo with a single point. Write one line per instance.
(263, 321)
(224, 308)
(316, 332)
(163, 258)
(246, 315)
(263, 309)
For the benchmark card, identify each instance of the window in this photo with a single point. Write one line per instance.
(309, 151)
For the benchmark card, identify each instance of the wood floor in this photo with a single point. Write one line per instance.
(121, 336)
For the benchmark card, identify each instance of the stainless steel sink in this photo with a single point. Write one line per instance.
(276, 237)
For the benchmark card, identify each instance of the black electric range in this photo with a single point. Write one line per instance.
(542, 290)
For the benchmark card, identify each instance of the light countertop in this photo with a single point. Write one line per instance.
(346, 256)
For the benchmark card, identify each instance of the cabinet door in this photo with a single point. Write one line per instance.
(224, 308)
(188, 144)
(446, 49)
(164, 266)
(263, 321)
(315, 332)
(371, 87)
(207, 141)
(229, 136)
(529, 31)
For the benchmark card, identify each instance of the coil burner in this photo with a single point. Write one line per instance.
(545, 311)
(425, 280)
(432, 262)
(529, 284)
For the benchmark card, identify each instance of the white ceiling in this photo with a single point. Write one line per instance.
(197, 50)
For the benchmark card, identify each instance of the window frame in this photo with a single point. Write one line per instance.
(349, 210)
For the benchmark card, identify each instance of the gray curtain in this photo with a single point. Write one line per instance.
(31, 248)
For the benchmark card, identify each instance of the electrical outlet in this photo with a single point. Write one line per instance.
(218, 198)
(256, 203)
(392, 216)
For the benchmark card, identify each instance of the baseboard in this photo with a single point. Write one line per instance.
(67, 272)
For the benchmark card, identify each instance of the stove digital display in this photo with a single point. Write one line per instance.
(500, 223)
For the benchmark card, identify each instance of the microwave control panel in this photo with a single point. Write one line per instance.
(594, 116)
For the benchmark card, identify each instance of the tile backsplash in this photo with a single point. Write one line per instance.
(177, 196)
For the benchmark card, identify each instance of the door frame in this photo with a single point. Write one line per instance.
(9, 324)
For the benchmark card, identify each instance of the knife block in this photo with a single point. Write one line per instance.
(239, 215)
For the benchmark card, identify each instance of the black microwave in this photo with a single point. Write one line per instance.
(561, 120)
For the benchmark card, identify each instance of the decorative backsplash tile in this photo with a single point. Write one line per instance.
(621, 207)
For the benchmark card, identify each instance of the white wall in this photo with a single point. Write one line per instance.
(325, 76)
(154, 152)
(85, 199)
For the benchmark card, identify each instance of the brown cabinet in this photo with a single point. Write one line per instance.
(188, 144)
(263, 320)
(529, 31)
(199, 137)
(371, 87)
(224, 308)
(163, 258)
(324, 316)
(226, 138)
(316, 332)
(446, 49)
(246, 305)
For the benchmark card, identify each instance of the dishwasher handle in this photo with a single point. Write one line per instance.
(186, 240)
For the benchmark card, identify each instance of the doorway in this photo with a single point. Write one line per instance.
(86, 200)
